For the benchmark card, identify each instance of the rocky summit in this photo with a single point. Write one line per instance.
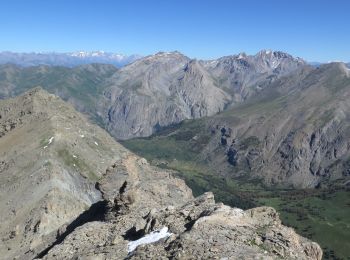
(70, 191)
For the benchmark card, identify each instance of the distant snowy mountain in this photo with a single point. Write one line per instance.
(69, 59)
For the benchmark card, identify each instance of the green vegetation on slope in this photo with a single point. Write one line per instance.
(319, 214)
(77, 163)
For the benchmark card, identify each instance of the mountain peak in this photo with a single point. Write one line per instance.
(337, 67)
(165, 55)
(83, 54)
(38, 92)
(276, 54)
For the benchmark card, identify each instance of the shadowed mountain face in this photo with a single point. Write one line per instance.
(70, 190)
(155, 91)
(295, 133)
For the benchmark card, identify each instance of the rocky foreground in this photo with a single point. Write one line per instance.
(140, 200)
(69, 191)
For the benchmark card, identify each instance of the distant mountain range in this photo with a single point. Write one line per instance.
(69, 59)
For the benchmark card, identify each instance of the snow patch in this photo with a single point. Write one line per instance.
(241, 56)
(50, 141)
(96, 143)
(82, 136)
(149, 239)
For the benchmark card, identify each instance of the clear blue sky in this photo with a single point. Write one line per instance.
(317, 30)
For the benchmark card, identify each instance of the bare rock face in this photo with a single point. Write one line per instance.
(69, 191)
(198, 229)
(158, 91)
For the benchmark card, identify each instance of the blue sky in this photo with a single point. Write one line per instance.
(317, 30)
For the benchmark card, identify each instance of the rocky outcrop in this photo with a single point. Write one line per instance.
(152, 226)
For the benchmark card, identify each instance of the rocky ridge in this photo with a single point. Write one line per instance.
(143, 203)
(50, 159)
(69, 191)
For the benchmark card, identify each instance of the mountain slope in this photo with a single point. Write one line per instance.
(245, 75)
(295, 133)
(158, 91)
(69, 190)
(166, 88)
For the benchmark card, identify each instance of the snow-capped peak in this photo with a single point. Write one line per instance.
(241, 55)
(85, 54)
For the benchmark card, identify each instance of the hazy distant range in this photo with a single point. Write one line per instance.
(67, 59)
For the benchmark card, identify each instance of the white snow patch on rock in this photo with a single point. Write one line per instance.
(149, 238)
(50, 141)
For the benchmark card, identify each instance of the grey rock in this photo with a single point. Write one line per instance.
(166, 88)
